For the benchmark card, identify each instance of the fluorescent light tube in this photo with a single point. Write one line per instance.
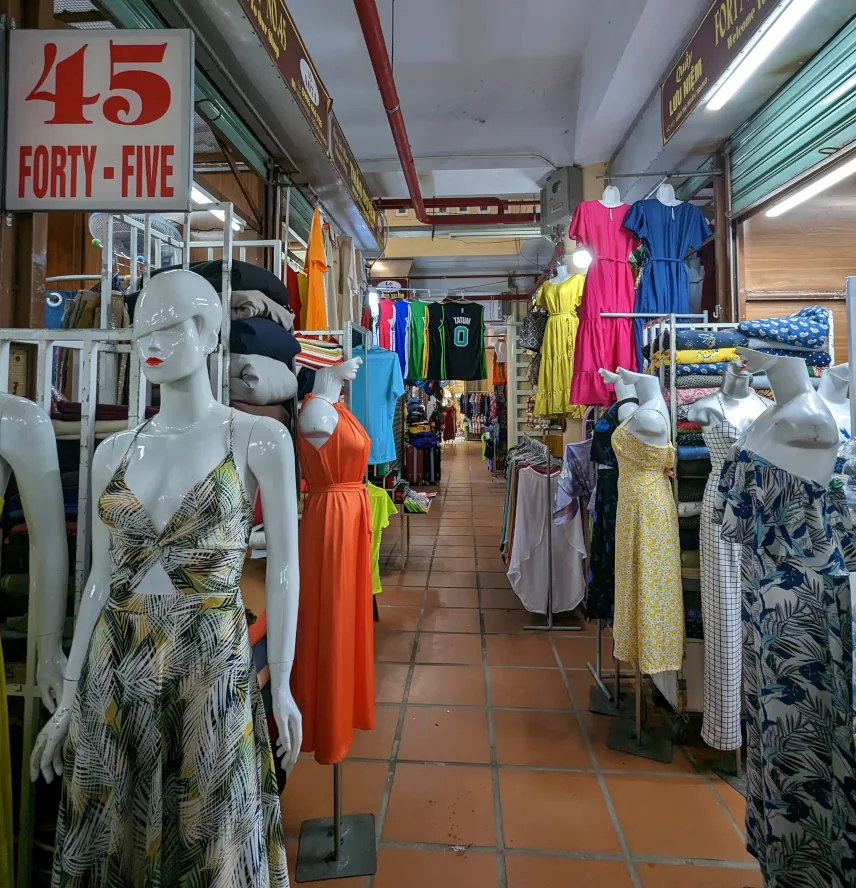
(815, 188)
(200, 197)
(752, 59)
(844, 88)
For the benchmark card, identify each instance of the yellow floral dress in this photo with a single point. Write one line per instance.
(557, 350)
(649, 604)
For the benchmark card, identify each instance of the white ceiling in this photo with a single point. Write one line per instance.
(495, 92)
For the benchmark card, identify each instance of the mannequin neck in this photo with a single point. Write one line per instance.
(611, 196)
(833, 388)
(327, 386)
(735, 386)
(666, 195)
(788, 379)
(648, 389)
(185, 402)
(561, 274)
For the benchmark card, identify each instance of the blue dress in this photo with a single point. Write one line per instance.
(402, 333)
(667, 233)
(797, 672)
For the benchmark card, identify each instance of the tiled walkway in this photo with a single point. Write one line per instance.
(485, 768)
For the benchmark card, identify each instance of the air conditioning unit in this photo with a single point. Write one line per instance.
(560, 195)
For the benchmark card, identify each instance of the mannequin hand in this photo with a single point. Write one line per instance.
(47, 752)
(287, 716)
(49, 674)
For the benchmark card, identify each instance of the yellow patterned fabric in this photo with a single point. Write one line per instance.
(557, 349)
(695, 356)
(7, 841)
(649, 604)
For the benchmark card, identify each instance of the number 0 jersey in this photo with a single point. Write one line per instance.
(463, 328)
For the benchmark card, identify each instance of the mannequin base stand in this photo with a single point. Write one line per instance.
(730, 769)
(336, 847)
(633, 737)
(602, 701)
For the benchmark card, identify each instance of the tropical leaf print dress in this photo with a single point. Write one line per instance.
(797, 673)
(169, 777)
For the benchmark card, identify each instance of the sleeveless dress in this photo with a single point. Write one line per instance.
(649, 603)
(720, 607)
(333, 675)
(169, 777)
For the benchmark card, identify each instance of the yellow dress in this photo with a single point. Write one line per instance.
(649, 602)
(7, 843)
(557, 350)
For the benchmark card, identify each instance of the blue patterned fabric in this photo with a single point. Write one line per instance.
(811, 358)
(809, 327)
(717, 369)
(797, 673)
(688, 452)
(699, 339)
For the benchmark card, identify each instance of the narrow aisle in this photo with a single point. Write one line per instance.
(485, 768)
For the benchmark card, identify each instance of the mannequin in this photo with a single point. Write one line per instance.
(623, 392)
(28, 448)
(318, 418)
(560, 275)
(797, 433)
(162, 603)
(666, 195)
(735, 402)
(833, 391)
(611, 197)
(649, 421)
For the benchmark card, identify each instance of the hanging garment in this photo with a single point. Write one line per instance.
(603, 342)
(402, 334)
(303, 290)
(332, 280)
(315, 267)
(557, 349)
(333, 676)
(463, 330)
(436, 342)
(649, 604)
(529, 570)
(601, 578)
(450, 424)
(349, 285)
(375, 409)
(295, 300)
(382, 508)
(168, 771)
(667, 233)
(386, 324)
(418, 340)
(576, 481)
(720, 604)
(500, 376)
(797, 673)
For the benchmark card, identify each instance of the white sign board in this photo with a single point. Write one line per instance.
(99, 120)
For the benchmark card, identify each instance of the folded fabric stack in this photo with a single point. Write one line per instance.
(317, 354)
(255, 379)
(804, 334)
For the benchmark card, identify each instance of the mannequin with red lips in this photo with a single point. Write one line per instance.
(176, 327)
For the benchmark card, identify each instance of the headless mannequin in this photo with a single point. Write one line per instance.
(176, 327)
(735, 402)
(318, 417)
(28, 448)
(623, 391)
(611, 197)
(666, 196)
(560, 275)
(833, 389)
(797, 433)
(649, 421)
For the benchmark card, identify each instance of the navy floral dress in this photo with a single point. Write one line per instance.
(797, 673)
(601, 586)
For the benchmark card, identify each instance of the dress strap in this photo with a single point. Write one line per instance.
(124, 461)
(231, 430)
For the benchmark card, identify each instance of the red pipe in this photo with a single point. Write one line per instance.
(405, 203)
(376, 44)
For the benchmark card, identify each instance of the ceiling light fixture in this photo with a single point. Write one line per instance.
(772, 33)
(842, 90)
(582, 258)
(200, 198)
(816, 187)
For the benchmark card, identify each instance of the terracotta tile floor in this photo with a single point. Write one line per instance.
(485, 768)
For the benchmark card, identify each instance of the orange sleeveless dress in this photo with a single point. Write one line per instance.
(333, 673)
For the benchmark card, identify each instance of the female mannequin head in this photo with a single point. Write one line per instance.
(176, 325)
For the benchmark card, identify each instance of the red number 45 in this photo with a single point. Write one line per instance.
(69, 101)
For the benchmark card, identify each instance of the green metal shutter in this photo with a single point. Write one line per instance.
(795, 130)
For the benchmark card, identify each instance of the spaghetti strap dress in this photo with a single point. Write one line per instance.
(333, 675)
(169, 777)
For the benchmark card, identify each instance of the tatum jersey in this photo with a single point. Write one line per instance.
(463, 328)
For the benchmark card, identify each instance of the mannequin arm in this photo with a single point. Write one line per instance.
(28, 444)
(271, 460)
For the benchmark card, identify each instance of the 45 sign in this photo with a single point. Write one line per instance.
(99, 120)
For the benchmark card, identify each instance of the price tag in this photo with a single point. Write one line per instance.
(99, 120)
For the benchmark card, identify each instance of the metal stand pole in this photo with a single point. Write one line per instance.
(601, 700)
(631, 736)
(337, 847)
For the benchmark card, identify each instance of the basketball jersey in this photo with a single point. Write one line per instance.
(436, 342)
(418, 340)
(463, 328)
(402, 335)
(386, 324)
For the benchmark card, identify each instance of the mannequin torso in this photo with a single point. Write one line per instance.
(735, 402)
(649, 422)
(666, 196)
(560, 275)
(318, 417)
(611, 197)
(797, 433)
(832, 390)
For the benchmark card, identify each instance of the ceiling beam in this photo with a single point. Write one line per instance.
(80, 18)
